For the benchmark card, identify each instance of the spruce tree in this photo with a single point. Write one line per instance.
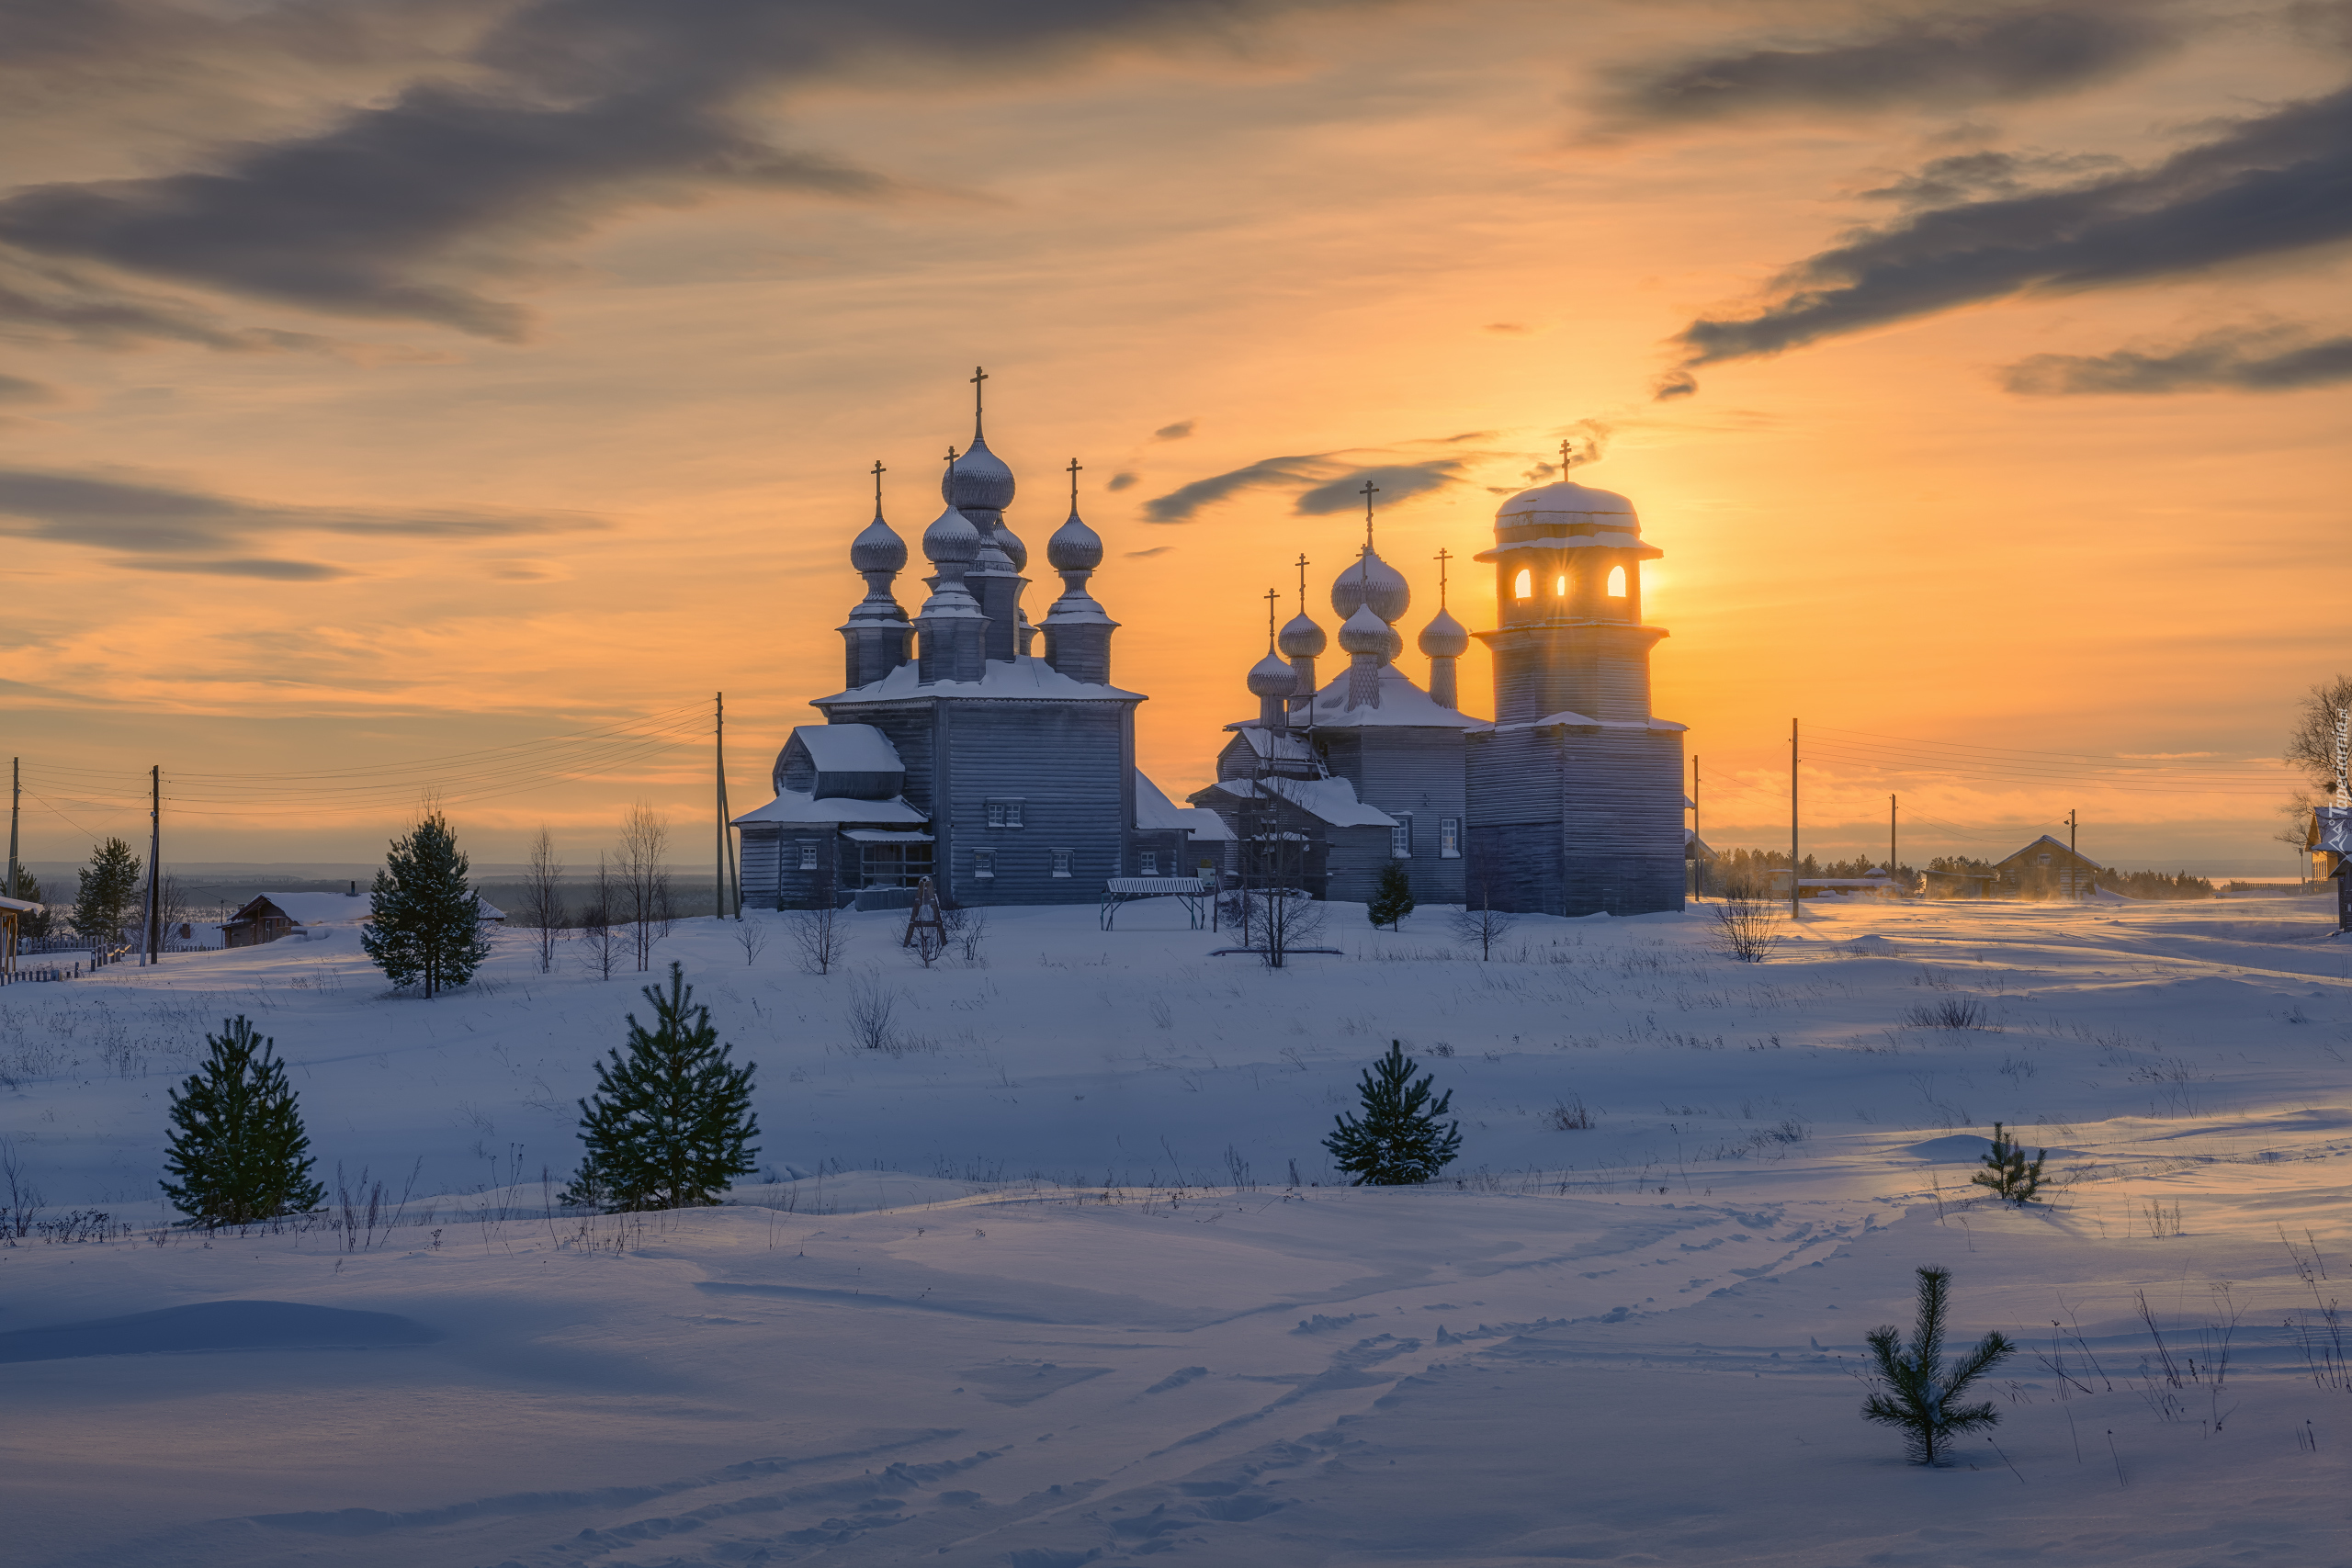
(1914, 1391)
(108, 892)
(670, 1121)
(1398, 1141)
(2008, 1173)
(1391, 899)
(237, 1144)
(423, 921)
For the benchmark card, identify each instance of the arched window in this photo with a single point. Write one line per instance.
(1616, 582)
(1560, 586)
(1523, 586)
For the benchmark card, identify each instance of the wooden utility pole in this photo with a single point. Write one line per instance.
(2075, 870)
(1698, 873)
(1891, 861)
(1794, 913)
(153, 944)
(727, 896)
(15, 809)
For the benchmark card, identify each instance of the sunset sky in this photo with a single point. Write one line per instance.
(388, 380)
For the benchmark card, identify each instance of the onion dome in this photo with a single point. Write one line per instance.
(1302, 638)
(1364, 632)
(1270, 677)
(1074, 546)
(1014, 550)
(952, 537)
(877, 549)
(1444, 637)
(979, 481)
(1369, 580)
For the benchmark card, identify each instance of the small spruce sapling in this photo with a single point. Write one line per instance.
(423, 918)
(2007, 1172)
(1392, 897)
(1914, 1391)
(1398, 1141)
(671, 1122)
(237, 1144)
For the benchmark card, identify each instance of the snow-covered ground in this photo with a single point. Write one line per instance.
(1036, 1287)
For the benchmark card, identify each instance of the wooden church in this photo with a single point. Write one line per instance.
(1008, 776)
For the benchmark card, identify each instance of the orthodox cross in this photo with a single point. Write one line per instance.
(1564, 444)
(1442, 556)
(1369, 489)
(1271, 597)
(1302, 581)
(979, 376)
(1073, 486)
(878, 472)
(951, 459)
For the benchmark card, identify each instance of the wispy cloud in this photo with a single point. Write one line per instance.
(2264, 187)
(1960, 55)
(165, 528)
(2243, 359)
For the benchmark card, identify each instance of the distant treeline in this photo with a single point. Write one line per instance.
(1746, 873)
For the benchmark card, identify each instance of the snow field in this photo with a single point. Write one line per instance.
(1011, 1300)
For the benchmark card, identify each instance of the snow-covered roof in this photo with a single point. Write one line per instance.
(1402, 704)
(1604, 539)
(849, 748)
(884, 836)
(1333, 800)
(1582, 721)
(1273, 744)
(315, 909)
(792, 806)
(1024, 677)
(1155, 813)
(2051, 844)
(1567, 499)
(22, 906)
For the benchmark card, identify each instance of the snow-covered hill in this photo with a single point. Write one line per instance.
(1036, 1286)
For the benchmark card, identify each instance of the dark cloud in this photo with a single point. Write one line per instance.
(1147, 555)
(1125, 481)
(1970, 176)
(274, 570)
(172, 529)
(17, 389)
(1176, 432)
(1960, 55)
(563, 113)
(2263, 359)
(1326, 484)
(2264, 187)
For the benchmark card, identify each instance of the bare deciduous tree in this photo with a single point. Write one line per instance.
(751, 936)
(600, 945)
(542, 910)
(646, 904)
(2310, 744)
(1478, 921)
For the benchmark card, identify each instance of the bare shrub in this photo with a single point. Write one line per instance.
(820, 937)
(646, 904)
(751, 936)
(600, 944)
(1949, 1013)
(542, 910)
(873, 1012)
(1570, 1115)
(967, 930)
(1748, 928)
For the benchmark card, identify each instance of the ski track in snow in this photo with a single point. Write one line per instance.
(1035, 1289)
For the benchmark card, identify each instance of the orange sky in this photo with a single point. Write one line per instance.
(360, 531)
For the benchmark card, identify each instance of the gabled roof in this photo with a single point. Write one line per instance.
(1402, 705)
(793, 808)
(2047, 844)
(307, 908)
(1155, 813)
(1332, 800)
(1024, 676)
(849, 748)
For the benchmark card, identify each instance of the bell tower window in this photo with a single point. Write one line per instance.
(1524, 585)
(1560, 586)
(1617, 582)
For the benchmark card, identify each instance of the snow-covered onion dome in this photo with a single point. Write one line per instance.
(1302, 638)
(951, 537)
(979, 481)
(1569, 503)
(1368, 580)
(1365, 632)
(1270, 677)
(877, 549)
(1444, 637)
(1074, 546)
(1010, 542)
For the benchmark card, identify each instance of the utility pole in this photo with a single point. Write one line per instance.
(153, 944)
(2075, 870)
(727, 898)
(1698, 867)
(1794, 913)
(1891, 861)
(15, 809)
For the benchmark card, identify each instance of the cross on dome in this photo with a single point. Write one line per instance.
(1074, 469)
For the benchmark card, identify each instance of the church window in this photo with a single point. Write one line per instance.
(1147, 863)
(1449, 838)
(1560, 586)
(984, 863)
(1400, 839)
(1617, 582)
(1524, 585)
(1004, 812)
(808, 854)
(1062, 859)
